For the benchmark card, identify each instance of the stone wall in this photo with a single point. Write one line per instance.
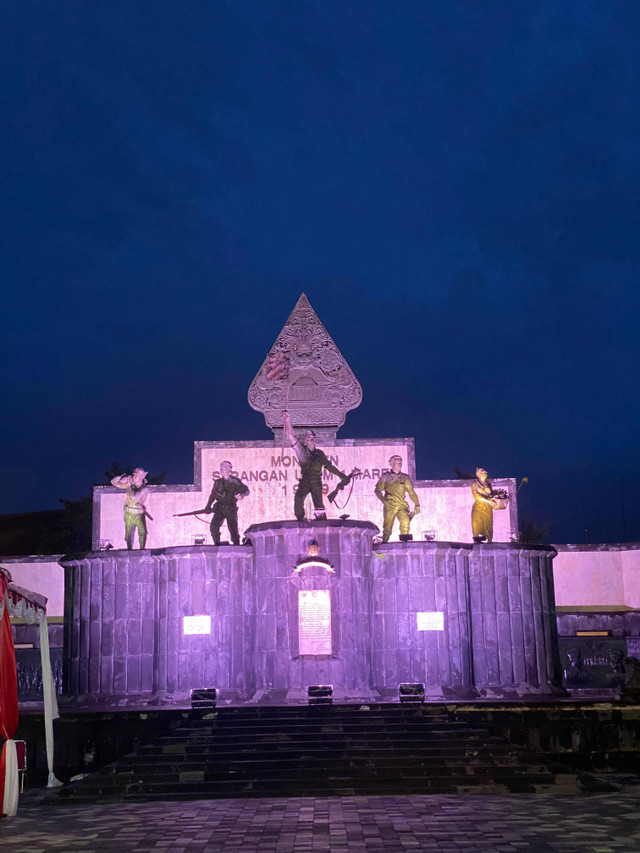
(413, 581)
(515, 639)
(464, 620)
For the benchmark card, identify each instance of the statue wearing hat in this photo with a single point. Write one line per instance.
(223, 503)
(391, 489)
(135, 511)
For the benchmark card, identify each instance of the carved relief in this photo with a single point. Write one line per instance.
(29, 673)
(305, 373)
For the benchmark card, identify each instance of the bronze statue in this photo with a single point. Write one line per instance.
(312, 461)
(485, 501)
(391, 490)
(135, 511)
(223, 502)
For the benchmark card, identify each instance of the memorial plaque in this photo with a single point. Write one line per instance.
(196, 625)
(314, 622)
(430, 621)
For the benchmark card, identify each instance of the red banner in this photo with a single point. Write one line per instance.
(8, 683)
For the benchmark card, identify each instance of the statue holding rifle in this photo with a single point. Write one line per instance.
(312, 461)
(223, 503)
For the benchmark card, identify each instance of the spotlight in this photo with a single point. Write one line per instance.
(198, 540)
(320, 694)
(410, 692)
(430, 535)
(203, 697)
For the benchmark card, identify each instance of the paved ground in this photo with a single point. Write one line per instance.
(598, 823)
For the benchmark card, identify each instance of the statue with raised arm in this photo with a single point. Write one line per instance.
(223, 502)
(485, 501)
(135, 510)
(391, 490)
(312, 460)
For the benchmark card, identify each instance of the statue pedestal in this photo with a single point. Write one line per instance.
(283, 614)
(126, 640)
(263, 622)
(513, 617)
(421, 619)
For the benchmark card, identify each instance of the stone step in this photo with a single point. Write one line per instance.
(493, 782)
(226, 735)
(319, 717)
(411, 731)
(295, 755)
(251, 770)
(233, 755)
(382, 746)
(314, 715)
(386, 709)
(304, 764)
(238, 742)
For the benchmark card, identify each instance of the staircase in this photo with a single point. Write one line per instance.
(325, 751)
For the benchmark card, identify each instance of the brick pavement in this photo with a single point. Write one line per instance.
(598, 823)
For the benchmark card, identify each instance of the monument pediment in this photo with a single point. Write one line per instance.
(306, 374)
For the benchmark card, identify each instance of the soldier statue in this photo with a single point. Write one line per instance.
(312, 460)
(223, 502)
(391, 490)
(135, 511)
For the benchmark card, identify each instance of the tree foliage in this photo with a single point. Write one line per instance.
(533, 532)
(463, 475)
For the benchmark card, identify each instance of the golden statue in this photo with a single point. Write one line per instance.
(391, 489)
(485, 501)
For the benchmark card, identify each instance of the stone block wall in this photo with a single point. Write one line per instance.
(124, 629)
(413, 578)
(513, 617)
(279, 549)
(464, 620)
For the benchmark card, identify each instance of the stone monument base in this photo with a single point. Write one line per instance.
(264, 621)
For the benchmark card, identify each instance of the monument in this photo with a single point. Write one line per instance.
(309, 600)
(305, 374)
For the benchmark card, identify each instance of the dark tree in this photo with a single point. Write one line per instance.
(462, 475)
(533, 532)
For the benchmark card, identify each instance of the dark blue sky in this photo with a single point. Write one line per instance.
(454, 185)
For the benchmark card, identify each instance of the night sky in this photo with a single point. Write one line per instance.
(454, 185)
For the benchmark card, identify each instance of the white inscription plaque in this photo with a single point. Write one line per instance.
(430, 621)
(196, 624)
(314, 621)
